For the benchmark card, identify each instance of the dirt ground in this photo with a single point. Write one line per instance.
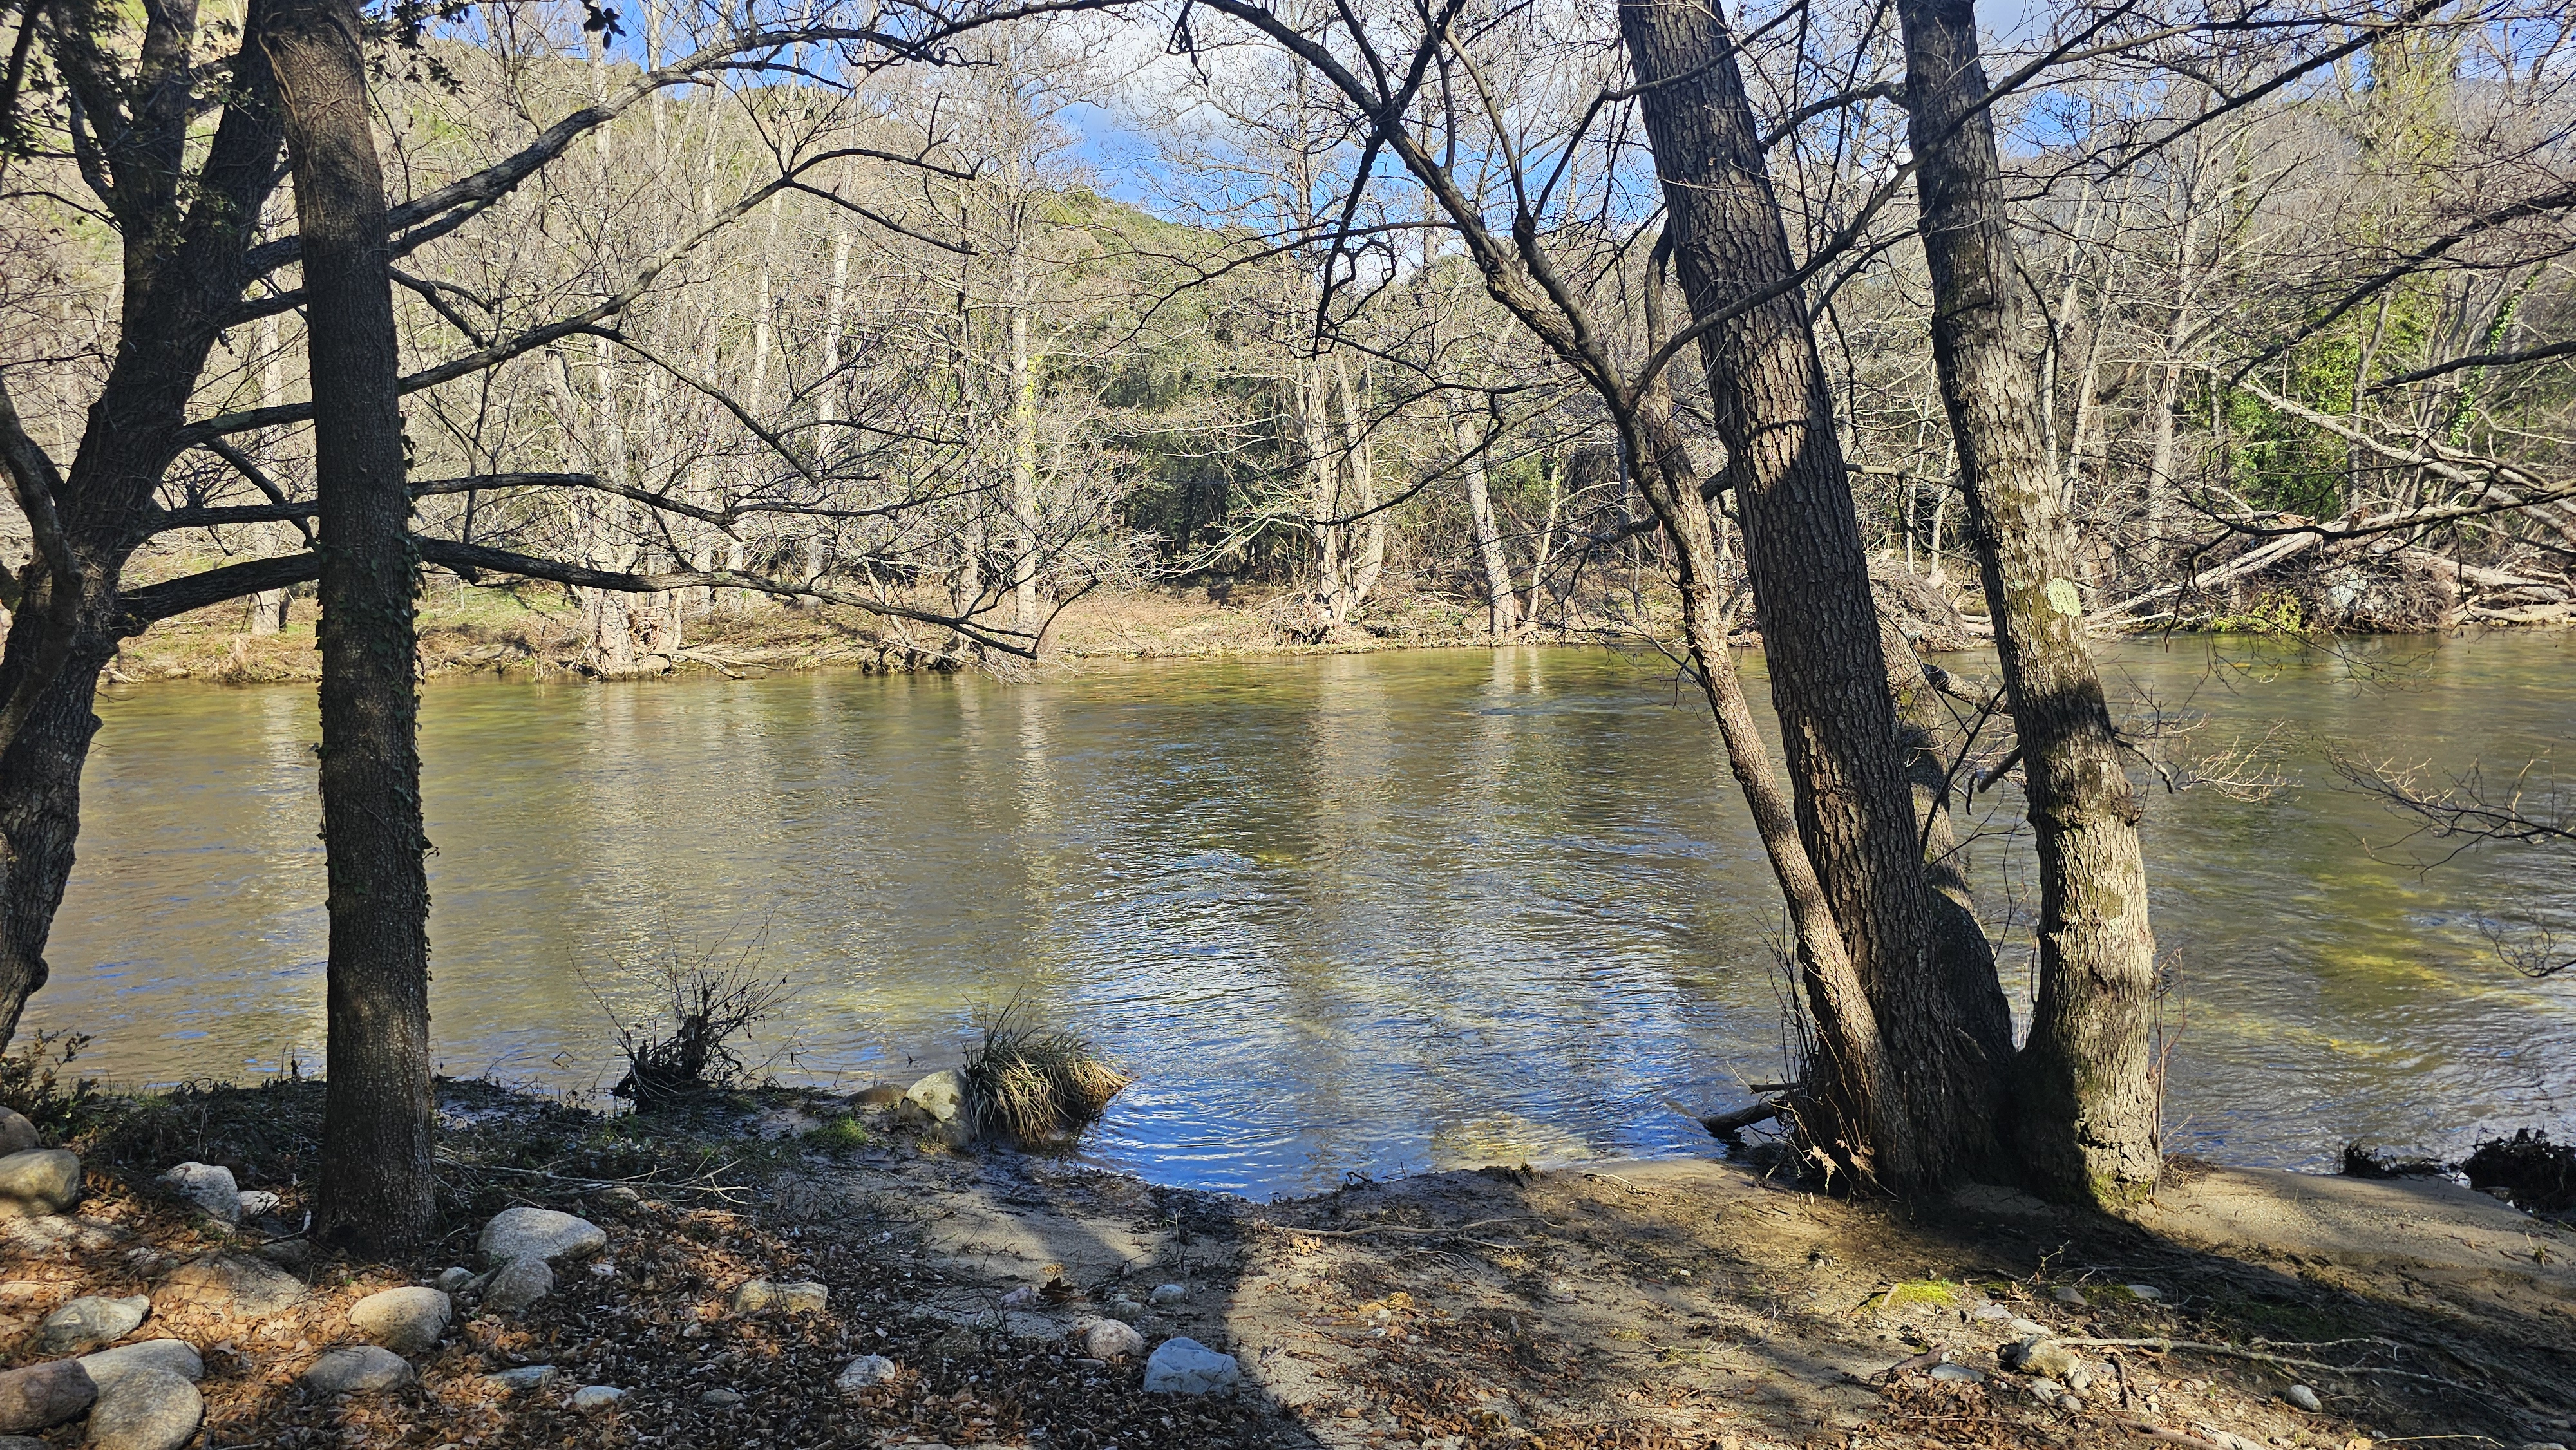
(1687, 1303)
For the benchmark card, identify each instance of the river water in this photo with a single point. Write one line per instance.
(1351, 914)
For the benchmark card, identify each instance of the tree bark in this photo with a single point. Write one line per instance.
(376, 1182)
(1500, 620)
(1804, 554)
(2086, 1127)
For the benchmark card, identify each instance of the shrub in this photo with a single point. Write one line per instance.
(705, 1008)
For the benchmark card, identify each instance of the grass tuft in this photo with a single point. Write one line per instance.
(1038, 1084)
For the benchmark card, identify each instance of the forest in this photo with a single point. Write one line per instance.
(1835, 355)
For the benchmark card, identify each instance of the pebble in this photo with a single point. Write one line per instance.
(229, 1284)
(1187, 1367)
(2069, 1294)
(865, 1371)
(542, 1233)
(148, 1409)
(760, 1296)
(39, 1181)
(357, 1370)
(721, 1397)
(1957, 1372)
(596, 1397)
(1108, 1338)
(2020, 1328)
(1020, 1297)
(209, 1186)
(1124, 1310)
(1168, 1294)
(2047, 1391)
(406, 1321)
(43, 1395)
(525, 1377)
(2303, 1397)
(90, 1321)
(2148, 1292)
(1989, 1312)
(618, 1195)
(176, 1356)
(517, 1284)
(2080, 1377)
(17, 1135)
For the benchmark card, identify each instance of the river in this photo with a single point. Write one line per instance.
(1348, 914)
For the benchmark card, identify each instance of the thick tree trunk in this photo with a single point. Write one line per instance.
(1810, 574)
(2087, 1121)
(376, 1184)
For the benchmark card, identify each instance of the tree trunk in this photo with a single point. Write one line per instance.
(2087, 1122)
(376, 1186)
(1499, 620)
(1024, 478)
(1810, 574)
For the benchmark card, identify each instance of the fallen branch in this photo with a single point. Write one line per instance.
(1727, 1125)
(2265, 1356)
(1362, 1233)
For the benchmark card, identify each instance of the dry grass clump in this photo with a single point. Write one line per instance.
(1038, 1084)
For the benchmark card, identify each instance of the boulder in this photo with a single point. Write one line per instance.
(39, 1181)
(1108, 1339)
(90, 1321)
(1187, 1367)
(516, 1285)
(540, 1233)
(147, 1409)
(596, 1397)
(175, 1356)
(233, 1285)
(357, 1370)
(406, 1321)
(17, 1135)
(209, 1187)
(760, 1296)
(941, 1106)
(865, 1372)
(43, 1395)
(525, 1377)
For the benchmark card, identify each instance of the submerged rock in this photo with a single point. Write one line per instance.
(356, 1370)
(90, 1321)
(760, 1296)
(406, 1321)
(146, 1409)
(39, 1181)
(1187, 1367)
(209, 1186)
(229, 1284)
(541, 1233)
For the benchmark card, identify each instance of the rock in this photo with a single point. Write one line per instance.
(147, 1409)
(865, 1372)
(1124, 1310)
(760, 1296)
(1990, 1312)
(1020, 1298)
(22, 1442)
(90, 1321)
(1187, 1367)
(2071, 1402)
(228, 1284)
(209, 1187)
(293, 1253)
(39, 1181)
(525, 1377)
(2080, 1378)
(1108, 1338)
(721, 1397)
(2148, 1292)
(596, 1397)
(43, 1395)
(1168, 1294)
(883, 1095)
(939, 1104)
(517, 1284)
(1959, 1372)
(541, 1233)
(2069, 1294)
(17, 1135)
(175, 1356)
(406, 1321)
(258, 1202)
(454, 1279)
(2020, 1328)
(2047, 1391)
(618, 1195)
(357, 1370)
(2042, 1357)
(2303, 1397)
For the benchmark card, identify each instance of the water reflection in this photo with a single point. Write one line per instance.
(1349, 914)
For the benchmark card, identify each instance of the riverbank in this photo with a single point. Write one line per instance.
(1682, 1303)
